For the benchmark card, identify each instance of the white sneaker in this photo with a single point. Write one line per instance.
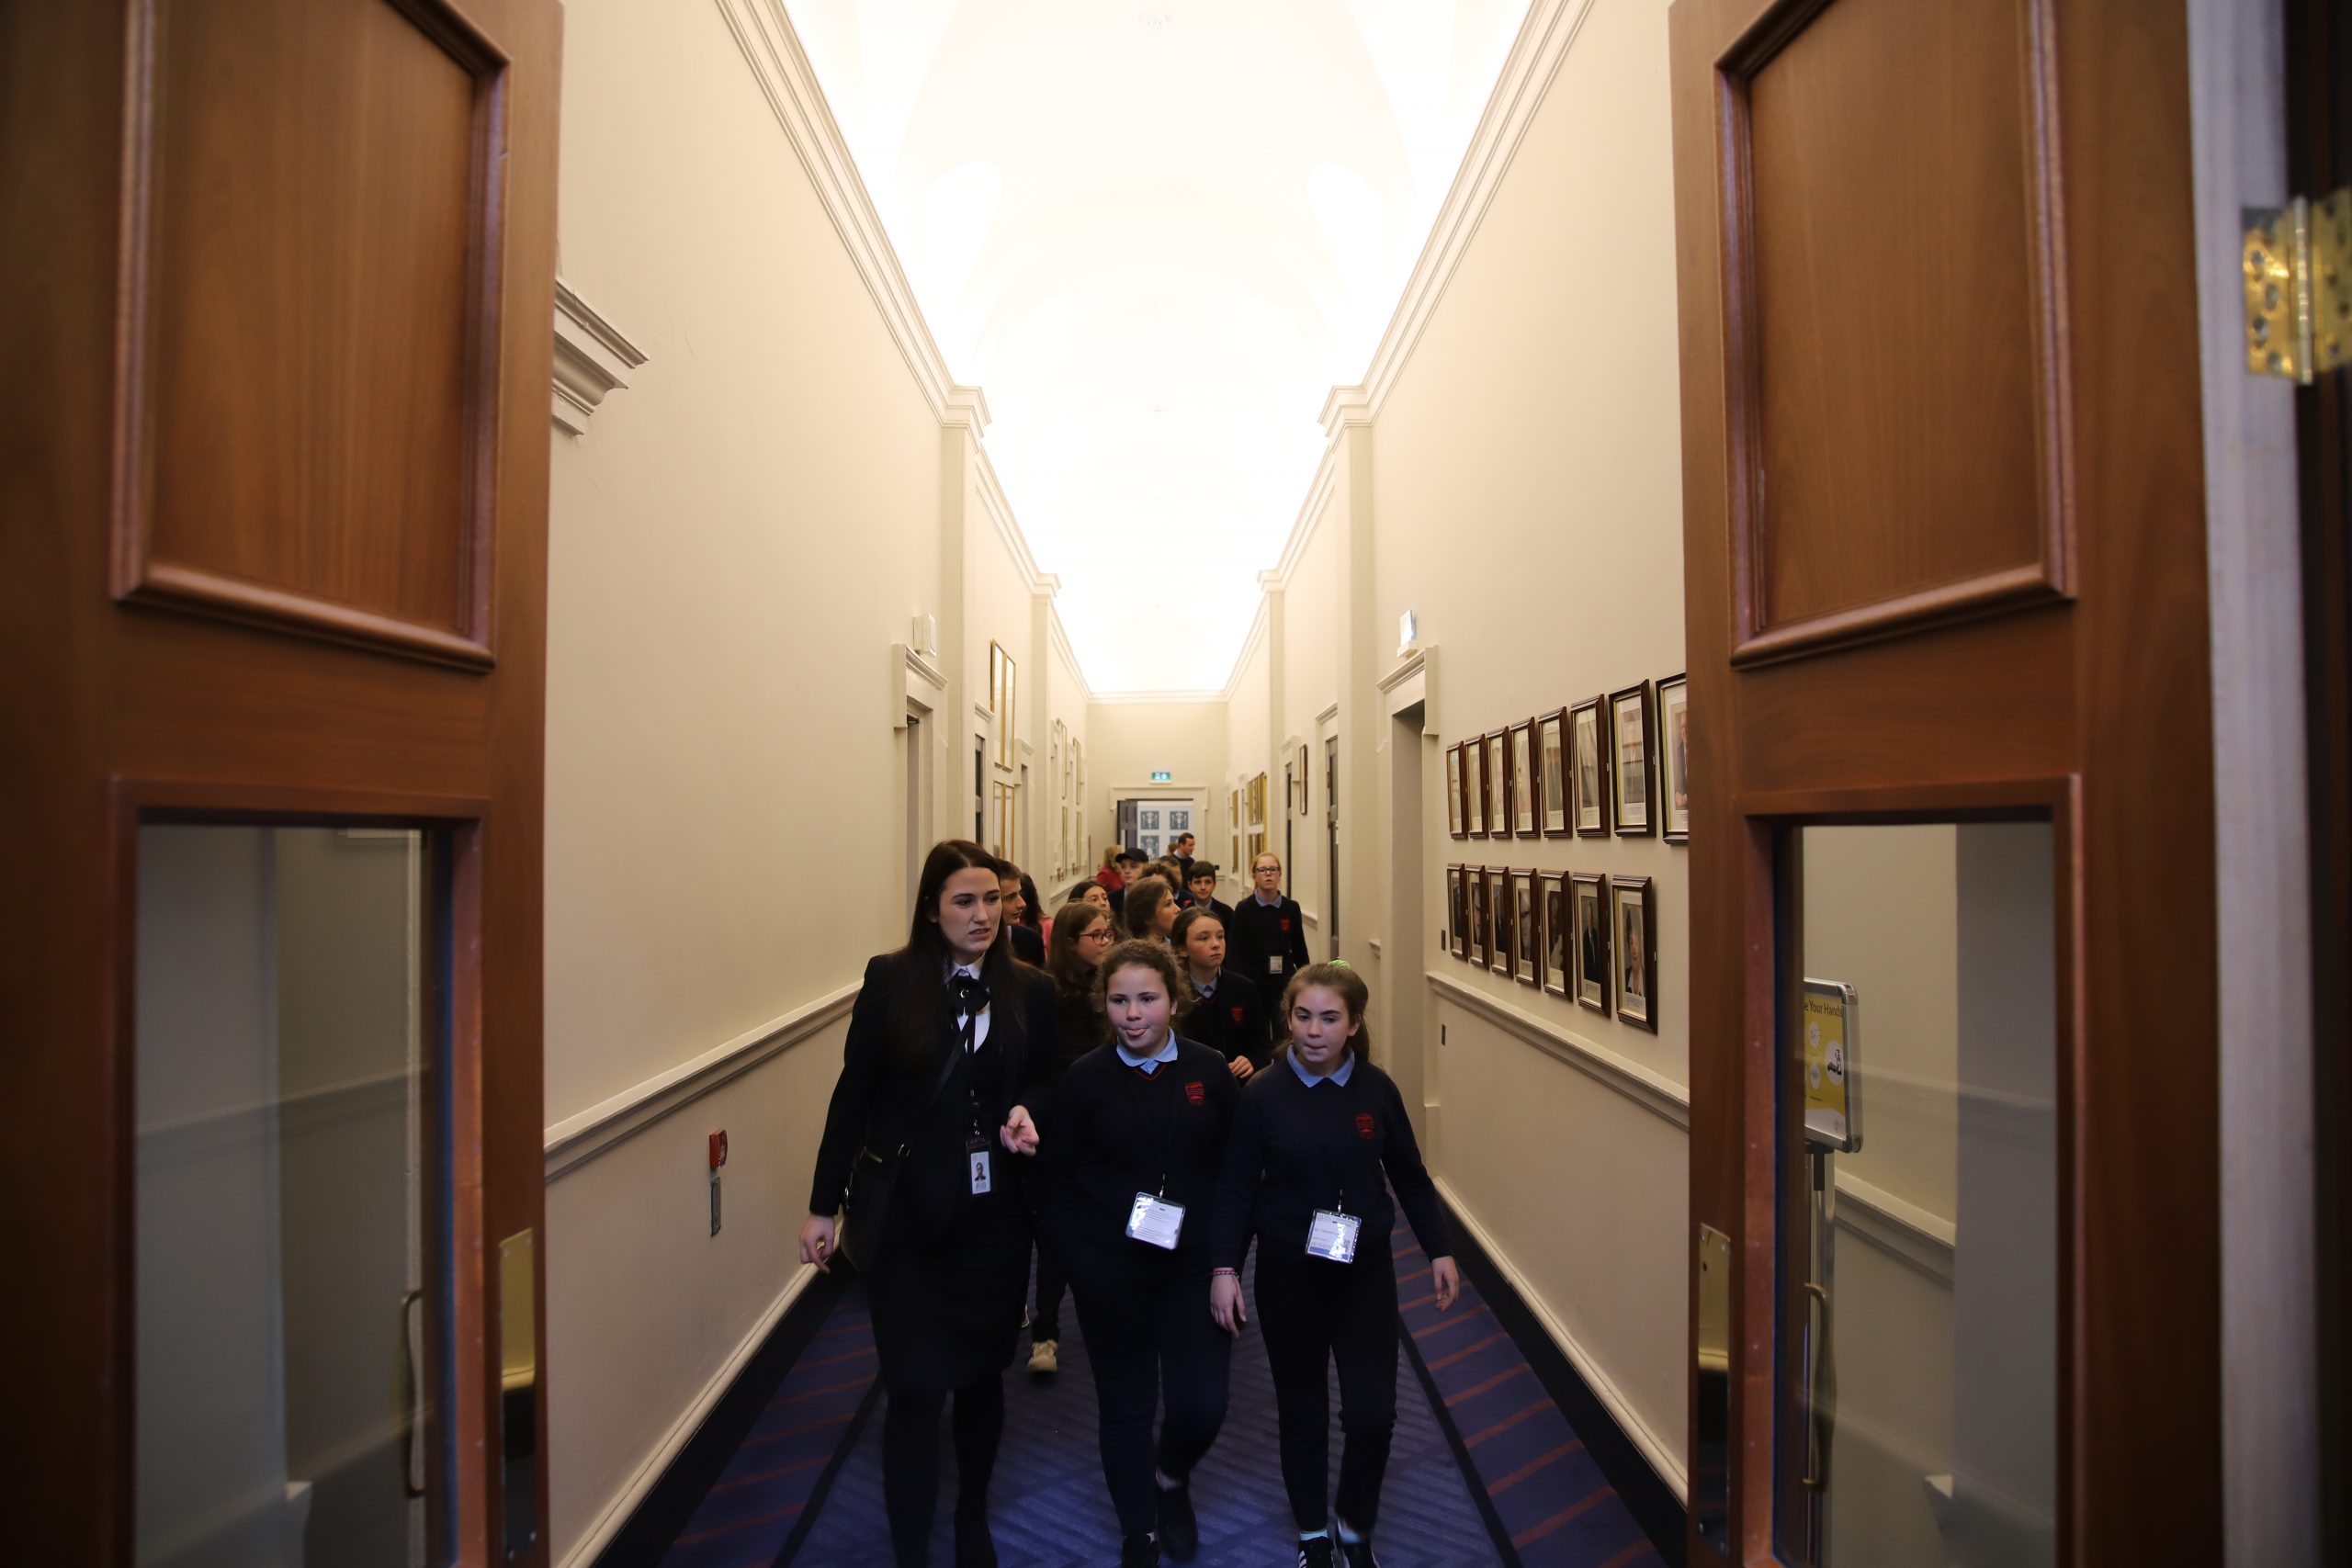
(1044, 1356)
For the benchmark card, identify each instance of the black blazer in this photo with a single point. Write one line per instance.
(879, 1103)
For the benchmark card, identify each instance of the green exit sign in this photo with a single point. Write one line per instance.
(1161, 776)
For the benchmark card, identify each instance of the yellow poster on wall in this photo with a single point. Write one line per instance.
(1826, 1040)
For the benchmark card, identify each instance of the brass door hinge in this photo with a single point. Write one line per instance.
(2298, 296)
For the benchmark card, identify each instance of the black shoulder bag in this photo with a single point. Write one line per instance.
(865, 1208)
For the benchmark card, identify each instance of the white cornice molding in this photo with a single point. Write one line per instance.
(1000, 510)
(1060, 635)
(1250, 642)
(1302, 528)
(1653, 1091)
(966, 408)
(1344, 407)
(576, 1140)
(1543, 39)
(591, 358)
(772, 48)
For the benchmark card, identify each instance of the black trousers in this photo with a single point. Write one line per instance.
(1315, 1313)
(911, 1460)
(1153, 1346)
(1046, 1322)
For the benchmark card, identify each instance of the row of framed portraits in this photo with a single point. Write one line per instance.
(1619, 762)
(1572, 934)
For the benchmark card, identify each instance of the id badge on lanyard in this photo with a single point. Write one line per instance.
(1332, 1234)
(1155, 1221)
(976, 1156)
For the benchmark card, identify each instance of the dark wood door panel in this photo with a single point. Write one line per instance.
(1895, 359)
(315, 229)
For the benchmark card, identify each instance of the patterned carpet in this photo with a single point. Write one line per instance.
(806, 1486)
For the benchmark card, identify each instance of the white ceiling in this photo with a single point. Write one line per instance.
(1156, 233)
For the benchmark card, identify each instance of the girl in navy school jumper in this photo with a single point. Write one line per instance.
(1316, 1134)
(1135, 1125)
(1226, 1014)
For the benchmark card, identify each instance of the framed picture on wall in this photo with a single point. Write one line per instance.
(1674, 758)
(1527, 951)
(1456, 821)
(1500, 920)
(1632, 921)
(1551, 774)
(1303, 776)
(1588, 769)
(1629, 761)
(1499, 797)
(1482, 935)
(1590, 912)
(1457, 911)
(1554, 915)
(1001, 686)
(1474, 787)
(1523, 820)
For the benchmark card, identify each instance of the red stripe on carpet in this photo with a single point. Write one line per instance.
(1537, 1532)
(771, 1474)
(1628, 1555)
(701, 1536)
(1475, 1390)
(1422, 1272)
(1507, 1422)
(814, 1392)
(1441, 1324)
(1468, 1350)
(1531, 1466)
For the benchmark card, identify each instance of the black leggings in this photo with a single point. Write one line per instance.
(911, 1460)
(1314, 1312)
(1151, 1341)
(1048, 1321)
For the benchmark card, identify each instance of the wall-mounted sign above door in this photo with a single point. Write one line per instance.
(1161, 776)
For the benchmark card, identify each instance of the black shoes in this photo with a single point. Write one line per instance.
(1180, 1531)
(974, 1547)
(1358, 1554)
(1139, 1552)
(1316, 1554)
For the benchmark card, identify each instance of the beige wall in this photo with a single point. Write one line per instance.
(725, 770)
(1131, 739)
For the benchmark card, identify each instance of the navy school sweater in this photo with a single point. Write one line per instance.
(1114, 1132)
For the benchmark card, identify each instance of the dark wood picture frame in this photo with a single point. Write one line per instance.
(1482, 932)
(1555, 726)
(1589, 789)
(1636, 1007)
(1457, 911)
(1556, 920)
(1673, 747)
(1589, 944)
(1635, 769)
(1495, 762)
(1527, 936)
(1520, 749)
(1457, 803)
(1474, 788)
(1500, 921)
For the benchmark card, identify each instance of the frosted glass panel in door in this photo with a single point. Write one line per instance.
(283, 1106)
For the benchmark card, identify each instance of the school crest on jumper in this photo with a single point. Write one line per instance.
(1237, 1012)
(1194, 1092)
(1365, 1126)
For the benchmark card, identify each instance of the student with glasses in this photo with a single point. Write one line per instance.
(1266, 939)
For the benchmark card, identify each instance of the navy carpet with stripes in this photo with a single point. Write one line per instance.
(1485, 1470)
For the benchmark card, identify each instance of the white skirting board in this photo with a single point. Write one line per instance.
(1659, 1454)
(624, 1503)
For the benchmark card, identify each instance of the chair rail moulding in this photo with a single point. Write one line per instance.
(591, 358)
(1653, 1091)
(576, 1140)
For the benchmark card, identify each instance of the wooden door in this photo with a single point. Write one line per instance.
(278, 305)
(1945, 546)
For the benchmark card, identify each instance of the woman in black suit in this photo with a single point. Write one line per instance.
(946, 1041)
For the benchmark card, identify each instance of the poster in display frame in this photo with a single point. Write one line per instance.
(1554, 914)
(1527, 944)
(1633, 924)
(1524, 822)
(1457, 820)
(1830, 1042)
(1499, 918)
(1495, 764)
(1590, 948)
(1674, 758)
(1457, 913)
(1630, 744)
(1481, 931)
(1554, 814)
(1589, 769)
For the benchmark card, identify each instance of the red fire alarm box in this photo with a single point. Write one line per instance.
(718, 1148)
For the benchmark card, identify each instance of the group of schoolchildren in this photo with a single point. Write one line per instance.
(1169, 1082)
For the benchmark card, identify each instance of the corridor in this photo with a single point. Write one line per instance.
(1485, 1470)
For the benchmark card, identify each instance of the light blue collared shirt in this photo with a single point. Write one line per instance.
(1160, 1058)
(1338, 1075)
(1207, 990)
(1273, 903)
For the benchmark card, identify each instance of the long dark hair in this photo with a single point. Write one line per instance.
(1072, 977)
(920, 1008)
(1144, 900)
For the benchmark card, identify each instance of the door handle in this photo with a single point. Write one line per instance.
(1820, 1422)
(406, 1396)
